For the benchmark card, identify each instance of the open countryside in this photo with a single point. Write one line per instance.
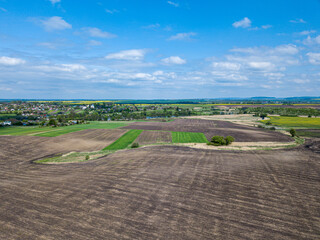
(159, 120)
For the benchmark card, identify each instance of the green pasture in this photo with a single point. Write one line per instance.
(125, 140)
(57, 131)
(188, 137)
(294, 122)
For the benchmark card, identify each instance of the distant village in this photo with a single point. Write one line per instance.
(20, 113)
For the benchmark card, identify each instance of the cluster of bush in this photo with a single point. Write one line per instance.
(220, 141)
(135, 145)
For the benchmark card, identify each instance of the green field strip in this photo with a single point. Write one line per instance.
(188, 137)
(295, 122)
(125, 140)
(53, 132)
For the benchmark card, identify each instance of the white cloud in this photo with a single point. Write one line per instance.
(266, 26)
(96, 32)
(182, 36)
(244, 23)
(301, 81)
(8, 61)
(310, 41)
(261, 65)
(152, 26)
(274, 76)
(94, 43)
(55, 23)
(280, 56)
(307, 32)
(173, 60)
(55, 1)
(61, 68)
(173, 4)
(5, 89)
(3, 9)
(227, 65)
(133, 54)
(111, 11)
(298, 20)
(287, 49)
(314, 58)
(229, 76)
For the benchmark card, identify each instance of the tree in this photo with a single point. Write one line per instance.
(52, 122)
(263, 115)
(135, 145)
(293, 132)
(218, 140)
(229, 140)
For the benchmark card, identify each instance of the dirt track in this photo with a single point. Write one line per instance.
(210, 128)
(160, 193)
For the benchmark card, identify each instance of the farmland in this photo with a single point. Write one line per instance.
(188, 137)
(153, 137)
(53, 132)
(124, 141)
(78, 185)
(159, 192)
(295, 122)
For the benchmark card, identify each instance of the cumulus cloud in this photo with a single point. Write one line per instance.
(55, 23)
(61, 68)
(287, 49)
(133, 55)
(298, 20)
(111, 11)
(311, 41)
(173, 60)
(173, 3)
(96, 32)
(227, 65)
(314, 58)
(8, 61)
(244, 23)
(182, 36)
(261, 65)
(307, 32)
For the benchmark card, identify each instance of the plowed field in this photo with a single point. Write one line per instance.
(210, 128)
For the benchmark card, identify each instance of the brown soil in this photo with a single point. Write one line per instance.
(158, 192)
(31, 147)
(151, 137)
(210, 128)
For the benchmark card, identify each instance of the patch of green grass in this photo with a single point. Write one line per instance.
(188, 137)
(57, 131)
(125, 140)
(309, 133)
(299, 140)
(74, 157)
(294, 122)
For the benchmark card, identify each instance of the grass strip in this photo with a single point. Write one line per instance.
(125, 140)
(188, 137)
(74, 157)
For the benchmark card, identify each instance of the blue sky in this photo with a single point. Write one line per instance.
(155, 49)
